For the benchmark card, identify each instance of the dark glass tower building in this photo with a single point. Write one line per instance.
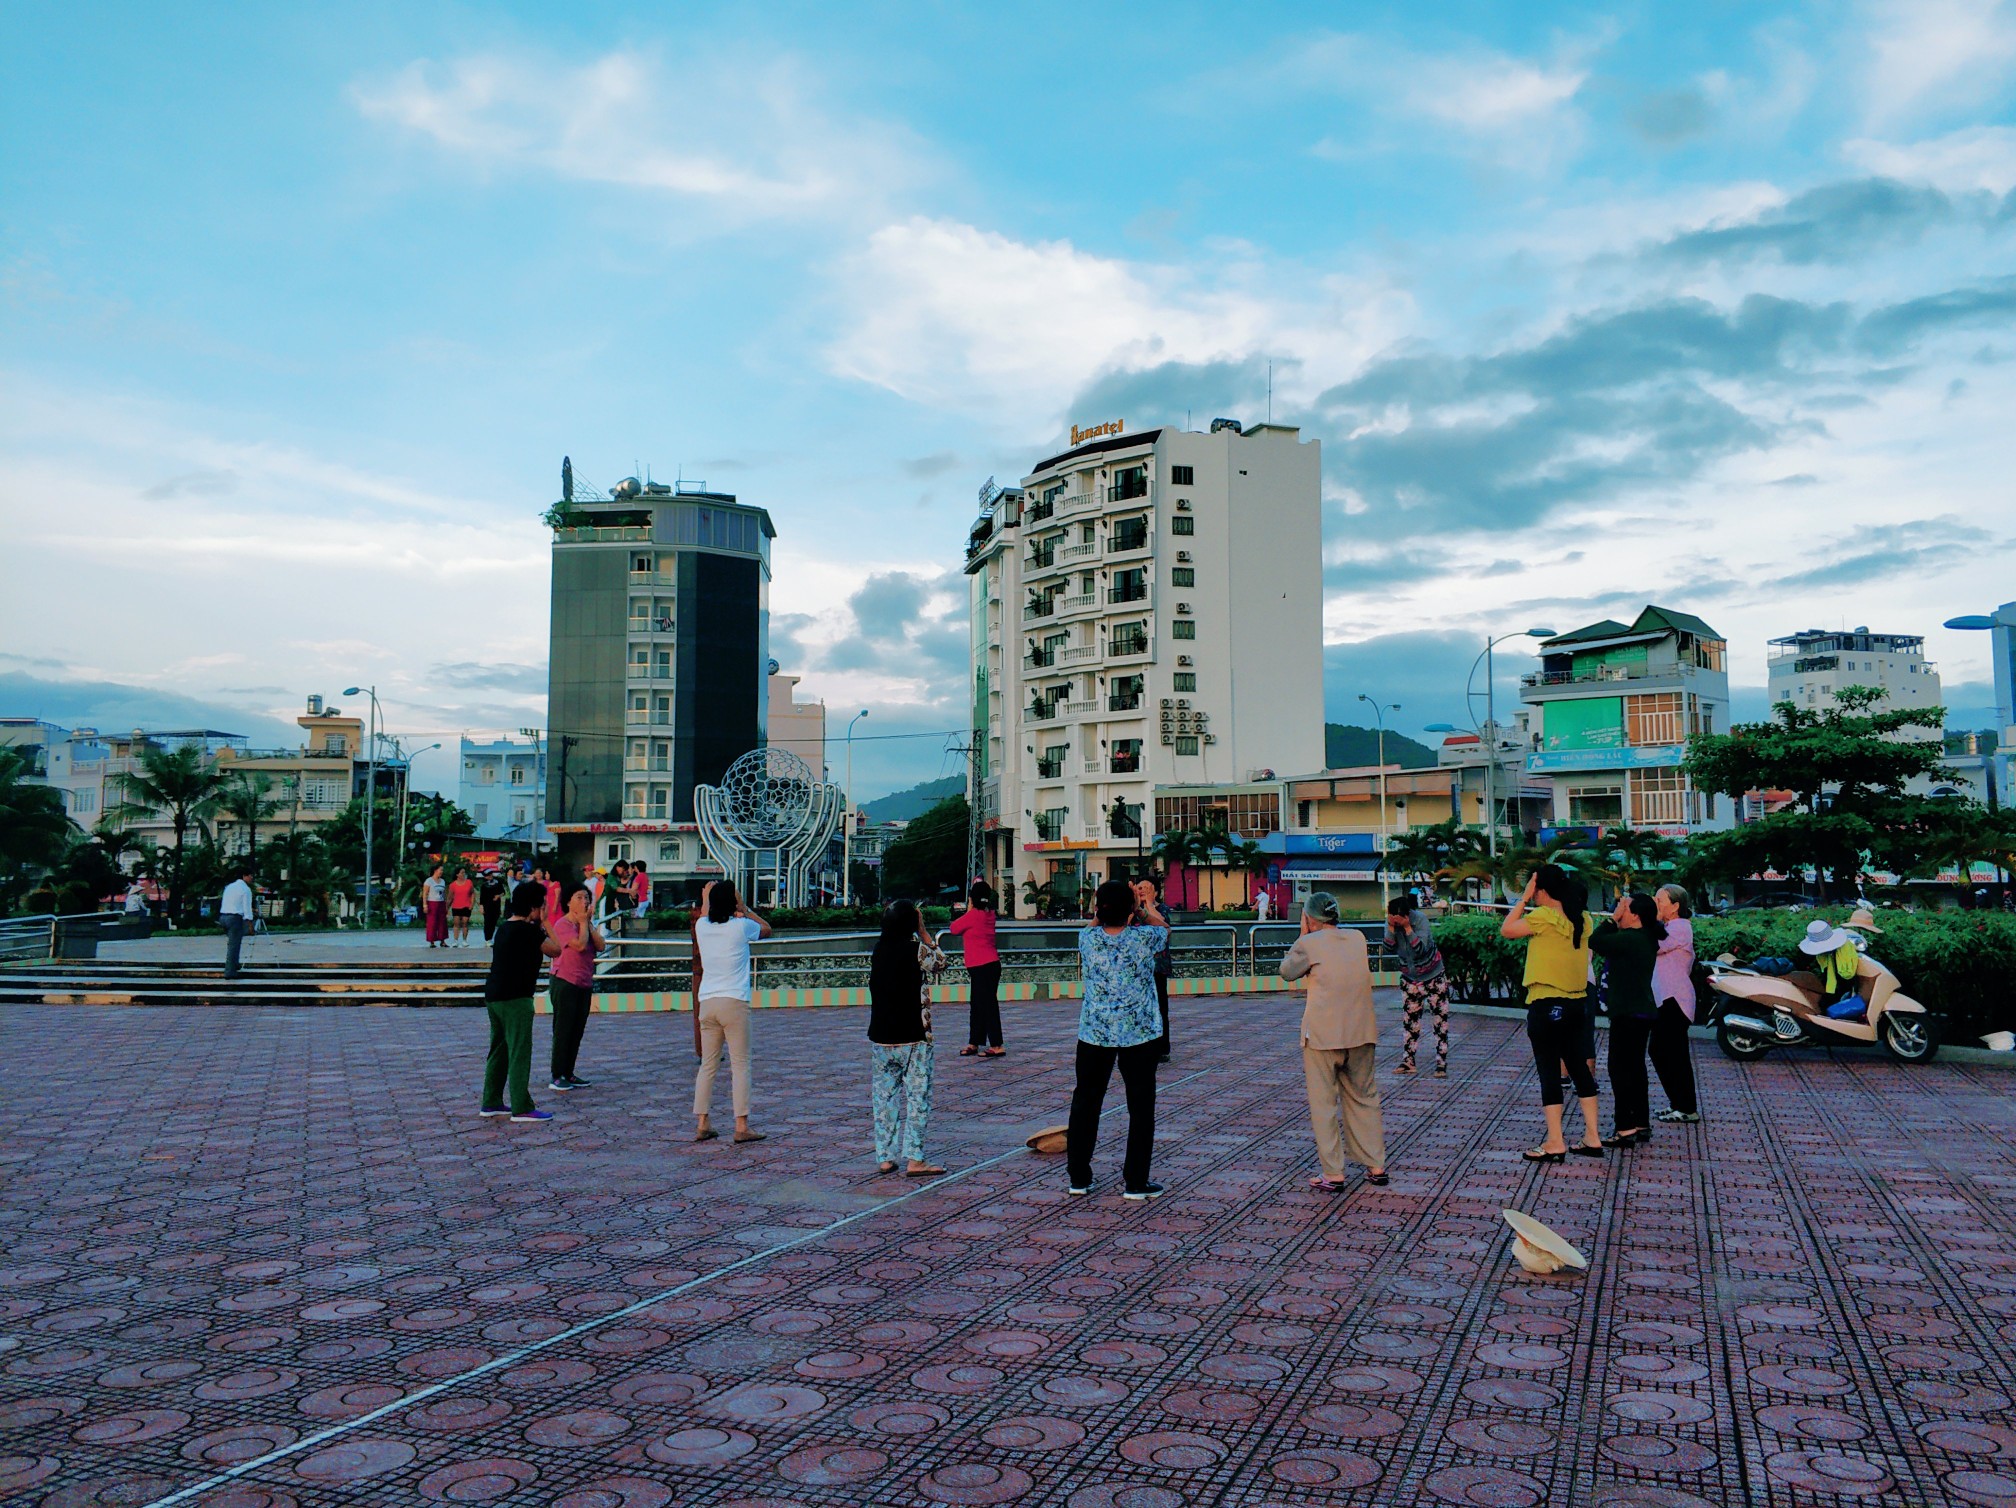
(660, 644)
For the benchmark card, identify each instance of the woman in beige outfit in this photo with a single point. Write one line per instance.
(1339, 1038)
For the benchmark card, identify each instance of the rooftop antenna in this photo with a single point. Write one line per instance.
(1270, 390)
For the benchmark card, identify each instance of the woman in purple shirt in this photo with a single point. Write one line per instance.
(1673, 988)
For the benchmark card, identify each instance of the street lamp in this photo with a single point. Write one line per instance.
(847, 832)
(1379, 711)
(370, 788)
(2001, 623)
(406, 791)
(1489, 732)
(538, 785)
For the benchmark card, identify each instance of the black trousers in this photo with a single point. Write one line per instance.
(1162, 1004)
(1555, 1028)
(490, 916)
(1630, 1090)
(1672, 1058)
(571, 1004)
(983, 1021)
(1095, 1072)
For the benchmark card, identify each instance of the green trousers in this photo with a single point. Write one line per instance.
(510, 1054)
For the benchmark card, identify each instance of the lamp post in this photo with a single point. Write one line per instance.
(538, 785)
(406, 791)
(847, 831)
(370, 788)
(1379, 711)
(1489, 732)
(2002, 624)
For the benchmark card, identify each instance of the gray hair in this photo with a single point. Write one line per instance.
(1678, 896)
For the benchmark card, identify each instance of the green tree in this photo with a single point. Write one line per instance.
(344, 835)
(1848, 766)
(1431, 852)
(185, 785)
(34, 828)
(1180, 848)
(929, 857)
(245, 798)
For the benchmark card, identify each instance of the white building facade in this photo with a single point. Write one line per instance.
(1146, 610)
(1809, 667)
(502, 787)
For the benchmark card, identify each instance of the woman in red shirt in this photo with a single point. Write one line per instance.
(461, 901)
(975, 928)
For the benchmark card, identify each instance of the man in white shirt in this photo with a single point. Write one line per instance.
(236, 915)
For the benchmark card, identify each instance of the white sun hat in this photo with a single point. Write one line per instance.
(1822, 937)
(1538, 1249)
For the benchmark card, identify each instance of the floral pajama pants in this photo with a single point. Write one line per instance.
(1429, 994)
(902, 1095)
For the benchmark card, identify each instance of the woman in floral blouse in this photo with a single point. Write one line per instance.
(902, 1058)
(1119, 1023)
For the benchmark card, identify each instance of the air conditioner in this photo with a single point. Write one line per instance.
(1182, 703)
(1182, 557)
(1183, 660)
(1210, 738)
(1166, 701)
(1182, 505)
(1183, 609)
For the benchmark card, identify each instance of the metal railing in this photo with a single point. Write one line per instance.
(32, 937)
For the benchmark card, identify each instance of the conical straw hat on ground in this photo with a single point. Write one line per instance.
(1538, 1249)
(1049, 1139)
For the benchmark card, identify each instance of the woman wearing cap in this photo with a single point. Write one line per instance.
(1836, 960)
(1424, 982)
(1550, 915)
(1340, 1037)
(1673, 988)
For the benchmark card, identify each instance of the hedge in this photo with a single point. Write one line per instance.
(1960, 964)
(807, 918)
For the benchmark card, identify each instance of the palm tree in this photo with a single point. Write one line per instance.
(1180, 848)
(1628, 852)
(34, 827)
(183, 782)
(244, 797)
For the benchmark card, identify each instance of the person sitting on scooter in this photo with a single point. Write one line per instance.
(1836, 960)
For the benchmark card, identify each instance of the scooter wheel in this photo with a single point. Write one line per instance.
(1744, 1047)
(1909, 1037)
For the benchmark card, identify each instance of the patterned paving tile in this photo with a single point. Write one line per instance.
(272, 1257)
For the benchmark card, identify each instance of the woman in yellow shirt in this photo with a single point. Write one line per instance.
(1551, 916)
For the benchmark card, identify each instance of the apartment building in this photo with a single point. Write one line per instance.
(1612, 707)
(1146, 609)
(503, 787)
(797, 726)
(659, 649)
(1809, 667)
(72, 760)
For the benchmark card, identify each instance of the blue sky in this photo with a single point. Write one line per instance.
(1710, 305)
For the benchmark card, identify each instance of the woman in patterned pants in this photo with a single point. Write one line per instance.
(901, 1054)
(1423, 981)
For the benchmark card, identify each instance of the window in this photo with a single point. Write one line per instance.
(1129, 585)
(1251, 814)
(641, 564)
(518, 813)
(489, 774)
(1183, 576)
(1130, 482)
(336, 743)
(1129, 534)
(619, 848)
(1182, 476)
(481, 812)
(1654, 719)
(668, 851)
(1595, 805)
(517, 774)
(1126, 758)
(1305, 813)
(85, 801)
(1183, 628)
(1186, 680)
(1129, 639)
(1658, 797)
(1182, 523)
(1186, 743)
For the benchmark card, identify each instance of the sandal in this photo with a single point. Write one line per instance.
(968, 1051)
(749, 1136)
(995, 1052)
(885, 1167)
(1327, 1185)
(1403, 1068)
(923, 1172)
(1627, 1138)
(1585, 1150)
(1377, 1180)
(1541, 1154)
(710, 1134)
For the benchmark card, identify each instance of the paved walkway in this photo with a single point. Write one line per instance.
(227, 1234)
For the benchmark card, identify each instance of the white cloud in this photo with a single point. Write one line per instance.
(744, 140)
(1978, 158)
(951, 315)
(1933, 56)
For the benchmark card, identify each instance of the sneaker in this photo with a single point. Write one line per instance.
(534, 1115)
(1080, 1189)
(575, 1081)
(1684, 1117)
(495, 1110)
(1145, 1192)
(563, 1085)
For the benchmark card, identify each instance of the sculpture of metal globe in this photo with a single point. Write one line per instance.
(767, 796)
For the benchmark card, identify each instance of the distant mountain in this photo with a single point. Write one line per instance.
(1345, 744)
(907, 806)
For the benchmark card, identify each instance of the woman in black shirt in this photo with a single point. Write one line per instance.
(899, 1034)
(521, 946)
(1628, 943)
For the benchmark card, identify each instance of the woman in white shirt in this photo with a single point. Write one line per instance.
(721, 939)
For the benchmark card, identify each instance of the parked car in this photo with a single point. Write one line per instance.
(1773, 900)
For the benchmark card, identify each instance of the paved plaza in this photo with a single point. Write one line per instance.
(231, 1233)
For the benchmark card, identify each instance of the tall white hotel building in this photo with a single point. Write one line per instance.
(1147, 611)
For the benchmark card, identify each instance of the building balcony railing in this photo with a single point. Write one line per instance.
(1050, 769)
(1079, 654)
(647, 766)
(644, 627)
(1049, 829)
(591, 534)
(1036, 512)
(1132, 490)
(1082, 551)
(632, 718)
(1077, 502)
(1078, 602)
(1125, 764)
(1600, 673)
(1128, 591)
(1043, 712)
(1042, 607)
(1081, 709)
(646, 813)
(1121, 645)
(653, 578)
(650, 672)
(1039, 659)
(1124, 701)
(1124, 540)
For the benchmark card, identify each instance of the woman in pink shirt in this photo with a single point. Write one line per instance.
(975, 928)
(1673, 990)
(572, 987)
